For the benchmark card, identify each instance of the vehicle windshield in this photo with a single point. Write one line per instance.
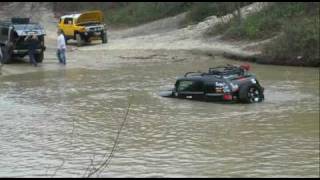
(187, 85)
(89, 23)
(27, 27)
(227, 71)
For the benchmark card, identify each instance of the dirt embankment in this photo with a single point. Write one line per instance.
(164, 34)
(161, 34)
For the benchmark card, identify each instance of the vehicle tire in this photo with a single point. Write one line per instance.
(104, 38)
(79, 40)
(251, 93)
(39, 57)
(87, 40)
(6, 55)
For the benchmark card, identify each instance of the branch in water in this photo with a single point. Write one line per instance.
(107, 161)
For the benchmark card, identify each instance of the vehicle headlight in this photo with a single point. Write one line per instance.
(82, 29)
(226, 89)
(234, 86)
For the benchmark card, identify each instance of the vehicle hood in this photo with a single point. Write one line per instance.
(90, 16)
(26, 29)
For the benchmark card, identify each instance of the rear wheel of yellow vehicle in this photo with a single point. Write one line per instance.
(79, 40)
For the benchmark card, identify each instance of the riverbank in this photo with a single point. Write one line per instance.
(293, 27)
(166, 34)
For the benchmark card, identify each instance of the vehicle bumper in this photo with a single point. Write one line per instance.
(220, 97)
(25, 51)
(93, 34)
(229, 97)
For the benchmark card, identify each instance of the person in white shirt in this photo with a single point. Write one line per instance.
(61, 45)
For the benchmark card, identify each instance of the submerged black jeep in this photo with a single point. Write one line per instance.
(12, 39)
(226, 83)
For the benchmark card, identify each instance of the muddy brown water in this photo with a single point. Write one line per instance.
(54, 122)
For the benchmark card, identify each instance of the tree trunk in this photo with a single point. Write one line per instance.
(238, 4)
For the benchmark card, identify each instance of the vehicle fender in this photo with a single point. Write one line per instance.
(245, 81)
(244, 89)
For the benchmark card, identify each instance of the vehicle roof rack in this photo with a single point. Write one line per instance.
(192, 74)
(18, 20)
(219, 71)
(226, 70)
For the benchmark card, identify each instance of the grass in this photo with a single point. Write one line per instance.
(142, 12)
(298, 43)
(263, 24)
(126, 13)
(297, 27)
(296, 24)
(201, 10)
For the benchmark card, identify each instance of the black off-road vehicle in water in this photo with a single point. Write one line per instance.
(12, 39)
(225, 83)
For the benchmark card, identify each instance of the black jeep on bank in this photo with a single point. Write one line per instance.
(12, 39)
(224, 83)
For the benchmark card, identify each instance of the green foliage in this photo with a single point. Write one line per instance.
(199, 11)
(141, 12)
(126, 13)
(299, 42)
(266, 23)
(135, 13)
(295, 23)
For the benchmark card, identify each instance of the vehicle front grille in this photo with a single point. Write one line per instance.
(95, 29)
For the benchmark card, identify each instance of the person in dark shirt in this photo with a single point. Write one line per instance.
(32, 41)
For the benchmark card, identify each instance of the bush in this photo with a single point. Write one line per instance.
(199, 11)
(263, 24)
(142, 12)
(296, 23)
(299, 43)
(125, 13)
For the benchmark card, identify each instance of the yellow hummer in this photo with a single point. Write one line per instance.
(83, 27)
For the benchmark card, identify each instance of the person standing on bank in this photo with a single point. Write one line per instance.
(61, 44)
(32, 41)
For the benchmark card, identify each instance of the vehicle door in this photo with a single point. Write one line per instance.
(4, 34)
(190, 89)
(13, 39)
(68, 27)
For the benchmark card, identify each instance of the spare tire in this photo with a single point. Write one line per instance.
(251, 93)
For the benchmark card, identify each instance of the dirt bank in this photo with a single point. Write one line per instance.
(165, 34)
(161, 35)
